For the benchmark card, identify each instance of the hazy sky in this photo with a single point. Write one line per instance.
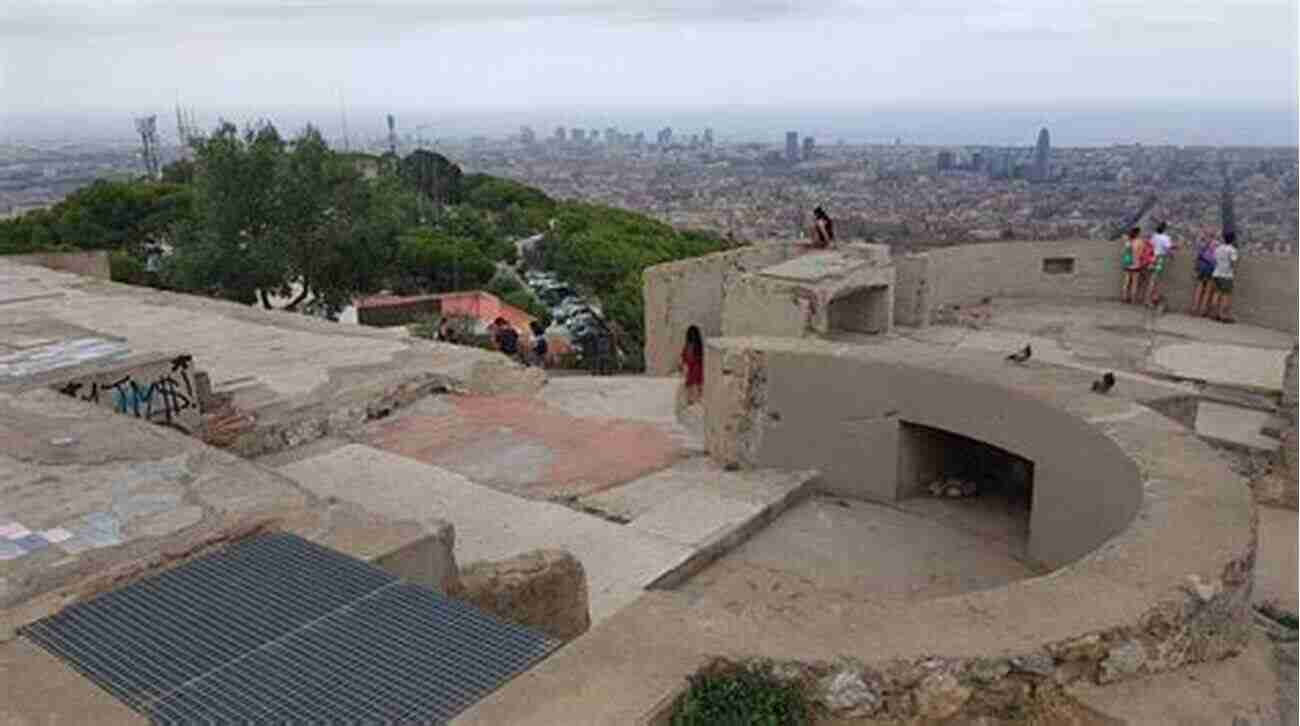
(542, 54)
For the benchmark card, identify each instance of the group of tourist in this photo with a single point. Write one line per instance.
(1145, 260)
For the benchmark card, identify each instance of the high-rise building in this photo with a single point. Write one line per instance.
(578, 135)
(945, 160)
(560, 134)
(792, 146)
(527, 136)
(808, 144)
(638, 140)
(1041, 153)
(708, 137)
(665, 136)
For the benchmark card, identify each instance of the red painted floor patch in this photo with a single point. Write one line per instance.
(521, 444)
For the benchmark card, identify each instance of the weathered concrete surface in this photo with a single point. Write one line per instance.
(523, 445)
(1206, 694)
(84, 492)
(1277, 564)
(1236, 425)
(37, 689)
(691, 292)
(543, 589)
(491, 525)
(1171, 589)
(850, 288)
(89, 263)
(298, 378)
(825, 550)
(786, 403)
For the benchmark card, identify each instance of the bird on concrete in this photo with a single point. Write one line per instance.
(1021, 355)
(1104, 384)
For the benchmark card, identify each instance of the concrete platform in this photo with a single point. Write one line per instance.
(620, 561)
(828, 549)
(563, 443)
(1237, 425)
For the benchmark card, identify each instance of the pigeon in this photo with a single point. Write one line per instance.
(1021, 355)
(1104, 384)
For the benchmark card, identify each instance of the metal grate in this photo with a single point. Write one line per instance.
(277, 629)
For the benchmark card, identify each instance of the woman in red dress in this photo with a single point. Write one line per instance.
(693, 364)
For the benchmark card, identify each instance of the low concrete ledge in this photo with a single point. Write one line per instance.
(1171, 587)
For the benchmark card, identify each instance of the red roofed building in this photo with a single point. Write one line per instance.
(389, 310)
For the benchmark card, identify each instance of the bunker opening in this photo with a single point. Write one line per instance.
(863, 310)
(971, 484)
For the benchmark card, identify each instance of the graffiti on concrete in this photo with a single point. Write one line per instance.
(161, 398)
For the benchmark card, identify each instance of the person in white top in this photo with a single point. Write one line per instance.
(1225, 264)
(1164, 248)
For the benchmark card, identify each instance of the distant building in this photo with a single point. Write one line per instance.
(665, 136)
(560, 134)
(639, 140)
(792, 146)
(708, 137)
(578, 135)
(527, 136)
(1041, 153)
(808, 144)
(945, 160)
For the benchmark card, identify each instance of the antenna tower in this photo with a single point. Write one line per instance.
(343, 122)
(147, 127)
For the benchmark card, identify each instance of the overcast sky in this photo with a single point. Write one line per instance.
(470, 55)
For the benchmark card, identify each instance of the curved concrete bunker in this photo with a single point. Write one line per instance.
(864, 423)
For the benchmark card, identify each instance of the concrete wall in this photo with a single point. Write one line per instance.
(912, 290)
(91, 263)
(816, 408)
(1266, 290)
(690, 292)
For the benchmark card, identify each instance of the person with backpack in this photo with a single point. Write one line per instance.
(540, 348)
(505, 337)
(1204, 292)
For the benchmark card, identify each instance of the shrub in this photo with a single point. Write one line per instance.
(127, 268)
(740, 695)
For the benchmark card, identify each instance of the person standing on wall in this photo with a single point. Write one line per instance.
(1225, 268)
(823, 229)
(1162, 249)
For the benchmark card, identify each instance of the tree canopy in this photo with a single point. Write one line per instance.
(254, 214)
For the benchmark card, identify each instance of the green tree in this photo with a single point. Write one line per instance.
(432, 174)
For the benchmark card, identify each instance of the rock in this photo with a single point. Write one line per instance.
(1123, 661)
(786, 672)
(939, 695)
(988, 670)
(1035, 663)
(544, 589)
(1205, 591)
(848, 695)
(1087, 647)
